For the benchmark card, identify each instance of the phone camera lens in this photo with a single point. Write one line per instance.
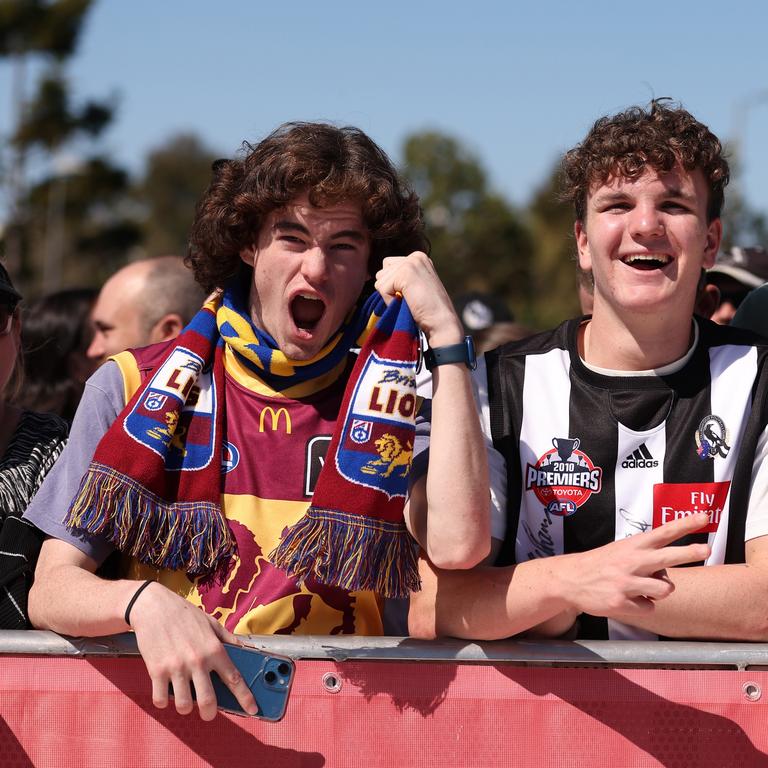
(270, 677)
(283, 669)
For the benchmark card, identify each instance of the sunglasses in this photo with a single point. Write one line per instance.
(7, 313)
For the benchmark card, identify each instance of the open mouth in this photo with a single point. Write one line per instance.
(307, 311)
(646, 261)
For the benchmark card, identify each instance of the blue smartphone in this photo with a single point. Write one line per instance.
(268, 678)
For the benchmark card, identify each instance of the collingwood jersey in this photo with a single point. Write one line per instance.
(591, 458)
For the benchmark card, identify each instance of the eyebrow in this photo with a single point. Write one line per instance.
(294, 226)
(609, 197)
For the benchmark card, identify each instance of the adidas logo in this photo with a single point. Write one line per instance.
(640, 459)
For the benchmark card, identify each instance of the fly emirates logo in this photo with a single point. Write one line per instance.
(672, 501)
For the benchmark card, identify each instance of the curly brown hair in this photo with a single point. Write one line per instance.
(661, 136)
(330, 164)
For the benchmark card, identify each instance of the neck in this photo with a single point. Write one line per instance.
(634, 344)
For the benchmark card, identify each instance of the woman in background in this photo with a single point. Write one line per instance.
(29, 445)
(57, 332)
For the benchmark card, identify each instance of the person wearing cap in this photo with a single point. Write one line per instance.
(29, 445)
(735, 273)
(752, 315)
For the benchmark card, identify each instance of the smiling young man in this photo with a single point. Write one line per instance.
(616, 434)
(204, 479)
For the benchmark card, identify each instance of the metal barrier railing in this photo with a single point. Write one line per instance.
(591, 653)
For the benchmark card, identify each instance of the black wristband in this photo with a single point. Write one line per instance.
(134, 598)
(463, 352)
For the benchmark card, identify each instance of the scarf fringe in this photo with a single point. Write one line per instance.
(188, 536)
(350, 552)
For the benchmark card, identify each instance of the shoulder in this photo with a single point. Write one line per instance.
(149, 358)
(538, 343)
(714, 335)
(45, 432)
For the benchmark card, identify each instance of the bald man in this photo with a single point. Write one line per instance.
(148, 301)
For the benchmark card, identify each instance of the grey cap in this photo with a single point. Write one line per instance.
(746, 265)
(7, 291)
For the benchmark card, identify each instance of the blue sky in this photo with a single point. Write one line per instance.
(518, 82)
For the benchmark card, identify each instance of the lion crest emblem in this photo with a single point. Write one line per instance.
(392, 455)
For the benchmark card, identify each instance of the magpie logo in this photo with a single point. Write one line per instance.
(640, 459)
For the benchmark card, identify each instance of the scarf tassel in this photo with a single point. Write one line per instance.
(350, 552)
(188, 536)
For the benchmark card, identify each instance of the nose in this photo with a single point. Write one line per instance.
(95, 349)
(646, 222)
(314, 265)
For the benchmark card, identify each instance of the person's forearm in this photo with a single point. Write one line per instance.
(458, 523)
(623, 578)
(484, 603)
(717, 602)
(71, 600)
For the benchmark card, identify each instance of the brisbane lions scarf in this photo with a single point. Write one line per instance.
(153, 488)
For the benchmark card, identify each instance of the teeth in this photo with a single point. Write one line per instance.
(654, 257)
(307, 296)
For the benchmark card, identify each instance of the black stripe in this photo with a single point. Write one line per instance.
(644, 452)
(590, 526)
(682, 463)
(506, 374)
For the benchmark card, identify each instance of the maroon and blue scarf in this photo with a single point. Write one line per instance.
(153, 488)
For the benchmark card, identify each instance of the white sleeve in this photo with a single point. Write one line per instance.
(497, 469)
(757, 511)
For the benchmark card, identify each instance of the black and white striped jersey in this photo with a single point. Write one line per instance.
(592, 457)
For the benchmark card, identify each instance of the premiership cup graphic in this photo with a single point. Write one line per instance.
(565, 446)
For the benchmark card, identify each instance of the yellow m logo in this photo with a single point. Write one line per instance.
(275, 418)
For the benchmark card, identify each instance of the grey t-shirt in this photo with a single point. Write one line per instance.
(102, 400)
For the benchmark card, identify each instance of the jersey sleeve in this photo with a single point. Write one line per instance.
(103, 398)
(757, 511)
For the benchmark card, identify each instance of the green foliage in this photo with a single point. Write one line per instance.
(479, 241)
(742, 224)
(49, 120)
(177, 174)
(66, 227)
(555, 288)
(34, 26)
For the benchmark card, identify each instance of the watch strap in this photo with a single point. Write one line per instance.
(463, 352)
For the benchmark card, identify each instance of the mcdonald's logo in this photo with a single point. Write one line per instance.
(275, 418)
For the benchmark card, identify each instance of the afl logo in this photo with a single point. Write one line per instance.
(230, 458)
(563, 478)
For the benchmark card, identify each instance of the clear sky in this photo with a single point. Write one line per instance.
(518, 82)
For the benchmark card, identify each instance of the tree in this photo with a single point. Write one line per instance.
(555, 294)
(71, 224)
(176, 176)
(742, 224)
(479, 241)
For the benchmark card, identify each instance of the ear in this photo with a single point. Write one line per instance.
(582, 245)
(248, 255)
(167, 327)
(714, 237)
(707, 301)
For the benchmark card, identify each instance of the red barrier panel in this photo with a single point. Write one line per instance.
(97, 711)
